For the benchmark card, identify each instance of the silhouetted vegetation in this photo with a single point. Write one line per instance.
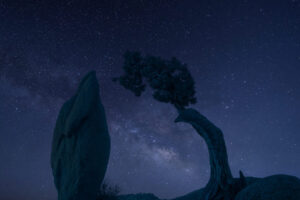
(108, 192)
(173, 83)
(170, 79)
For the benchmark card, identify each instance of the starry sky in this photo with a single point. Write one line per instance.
(244, 57)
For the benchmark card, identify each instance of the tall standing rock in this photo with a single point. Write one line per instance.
(81, 144)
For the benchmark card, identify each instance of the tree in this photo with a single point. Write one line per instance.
(172, 83)
(170, 80)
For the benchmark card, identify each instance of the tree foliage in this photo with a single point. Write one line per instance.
(170, 79)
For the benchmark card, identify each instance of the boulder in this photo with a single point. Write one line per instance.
(139, 196)
(276, 187)
(81, 144)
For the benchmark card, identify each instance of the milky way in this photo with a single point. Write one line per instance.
(243, 55)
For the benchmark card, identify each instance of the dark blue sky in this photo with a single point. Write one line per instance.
(244, 57)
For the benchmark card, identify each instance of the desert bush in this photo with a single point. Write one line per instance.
(108, 191)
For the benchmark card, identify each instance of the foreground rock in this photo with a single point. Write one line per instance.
(81, 144)
(277, 187)
(202, 195)
(147, 196)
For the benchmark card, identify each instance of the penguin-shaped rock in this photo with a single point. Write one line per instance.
(81, 144)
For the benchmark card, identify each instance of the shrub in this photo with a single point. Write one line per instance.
(108, 192)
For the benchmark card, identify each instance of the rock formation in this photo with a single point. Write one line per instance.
(81, 144)
(140, 196)
(276, 187)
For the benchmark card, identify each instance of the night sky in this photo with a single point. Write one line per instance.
(244, 57)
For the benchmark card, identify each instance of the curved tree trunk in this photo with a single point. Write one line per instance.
(220, 174)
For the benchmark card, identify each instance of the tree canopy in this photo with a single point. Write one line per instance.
(170, 79)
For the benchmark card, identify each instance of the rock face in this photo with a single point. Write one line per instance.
(81, 144)
(277, 187)
(147, 196)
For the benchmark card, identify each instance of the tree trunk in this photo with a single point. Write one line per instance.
(218, 186)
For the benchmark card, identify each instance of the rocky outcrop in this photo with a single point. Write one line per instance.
(81, 144)
(276, 187)
(140, 196)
